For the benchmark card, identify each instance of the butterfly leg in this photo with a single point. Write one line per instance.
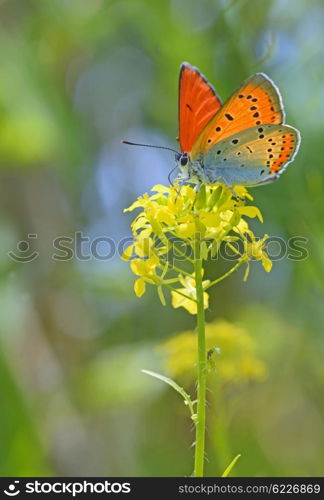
(182, 182)
(222, 180)
(196, 188)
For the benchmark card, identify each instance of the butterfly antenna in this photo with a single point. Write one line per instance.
(148, 146)
(170, 173)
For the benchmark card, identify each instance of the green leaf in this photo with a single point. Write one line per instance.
(161, 295)
(204, 250)
(228, 469)
(235, 219)
(214, 248)
(175, 386)
(201, 197)
(214, 197)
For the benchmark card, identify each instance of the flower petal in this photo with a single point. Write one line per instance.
(186, 230)
(139, 287)
(266, 262)
(180, 301)
(251, 212)
(127, 253)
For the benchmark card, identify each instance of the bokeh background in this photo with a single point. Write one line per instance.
(77, 76)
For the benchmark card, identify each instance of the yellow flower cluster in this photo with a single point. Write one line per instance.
(171, 219)
(231, 353)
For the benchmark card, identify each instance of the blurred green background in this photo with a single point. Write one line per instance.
(77, 76)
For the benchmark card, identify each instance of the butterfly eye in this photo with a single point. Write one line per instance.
(183, 160)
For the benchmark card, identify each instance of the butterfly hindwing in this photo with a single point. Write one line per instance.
(198, 103)
(253, 156)
(256, 102)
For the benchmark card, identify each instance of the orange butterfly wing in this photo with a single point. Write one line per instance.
(256, 102)
(198, 103)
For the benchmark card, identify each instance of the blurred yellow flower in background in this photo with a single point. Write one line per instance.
(229, 346)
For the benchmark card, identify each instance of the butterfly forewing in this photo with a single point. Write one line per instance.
(252, 156)
(198, 103)
(256, 102)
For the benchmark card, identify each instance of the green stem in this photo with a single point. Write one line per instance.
(202, 365)
(221, 278)
(174, 268)
(178, 292)
(179, 252)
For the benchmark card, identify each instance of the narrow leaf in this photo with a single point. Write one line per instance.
(161, 295)
(175, 386)
(228, 469)
(201, 197)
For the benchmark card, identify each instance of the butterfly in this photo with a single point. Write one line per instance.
(241, 142)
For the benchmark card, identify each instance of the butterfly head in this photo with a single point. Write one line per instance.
(189, 171)
(182, 159)
(183, 164)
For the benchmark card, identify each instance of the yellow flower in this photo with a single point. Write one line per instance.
(255, 249)
(251, 212)
(144, 246)
(186, 229)
(139, 287)
(145, 268)
(169, 222)
(127, 253)
(229, 346)
(189, 289)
